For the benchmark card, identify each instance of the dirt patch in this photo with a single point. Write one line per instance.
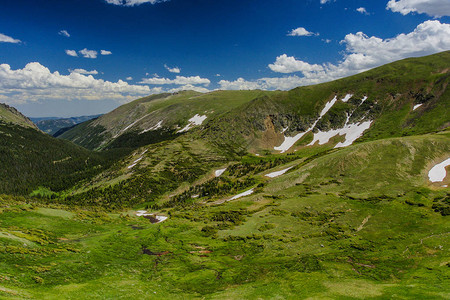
(152, 219)
(149, 252)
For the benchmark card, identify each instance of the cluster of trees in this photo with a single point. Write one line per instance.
(29, 158)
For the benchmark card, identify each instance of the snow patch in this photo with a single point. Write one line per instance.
(363, 99)
(417, 106)
(129, 126)
(246, 193)
(157, 126)
(195, 120)
(351, 131)
(220, 172)
(278, 173)
(438, 172)
(289, 141)
(144, 213)
(347, 97)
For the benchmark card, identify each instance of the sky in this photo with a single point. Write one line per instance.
(84, 57)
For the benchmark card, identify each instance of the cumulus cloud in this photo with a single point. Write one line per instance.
(35, 82)
(133, 2)
(71, 53)
(64, 33)
(189, 87)
(301, 32)
(105, 52)
(88, 53)
(179, 80)
(362, 10)
(362, 53)
(434, 8)
(7, 39)
(324, 1)
(83, 71)
(129, 78)
(172, 70)
(288, 64)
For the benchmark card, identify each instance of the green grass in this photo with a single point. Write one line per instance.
(314, 232)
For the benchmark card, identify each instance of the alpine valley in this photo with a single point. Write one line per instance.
(332, 191)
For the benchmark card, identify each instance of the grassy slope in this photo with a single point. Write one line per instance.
(392, 91)
(173, 110)
(11, 115)
(314, 232)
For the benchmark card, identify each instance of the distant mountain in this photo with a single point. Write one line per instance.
(9, 114)
(52, 125)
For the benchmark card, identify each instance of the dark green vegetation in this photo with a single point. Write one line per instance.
(357, 222)
(29, 159)
(56, 126)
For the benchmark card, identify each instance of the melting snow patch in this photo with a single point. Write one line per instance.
(289, 141)
(157, 126)
(144, 213)
(438, 172)
(135, 162)
(417, 106)
(246, 193)
(363, 99)
(351, 131)
(195, 120)
(347, 97)
(220, 172)
(278, 173)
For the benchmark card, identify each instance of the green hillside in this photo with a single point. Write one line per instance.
(322, 232)
(30, 158)
(407, 97)
(9, 114)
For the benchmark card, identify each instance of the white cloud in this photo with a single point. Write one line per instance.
(129, 78)
(324, 1)
(288, 64)
(8, 39)
(327, 41)
(133, 2)
(435, 8)
(362, 10)
(179, 80)
(105, 52)
(64, 33)
(362, 53)
(83, 71)
(88, 53)
(189, 87)
(172, 70)
(35, 82)
(301, 32)
(71, 53)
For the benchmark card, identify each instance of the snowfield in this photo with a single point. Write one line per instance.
(417, 106)
(438, 172)
(278, 173)
(194, 121)
(351, 131)
(220, 172)
(246, 193)
(157, 126)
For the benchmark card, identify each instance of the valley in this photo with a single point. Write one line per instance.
(330, 191)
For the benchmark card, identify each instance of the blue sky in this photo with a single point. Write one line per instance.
(79, 57)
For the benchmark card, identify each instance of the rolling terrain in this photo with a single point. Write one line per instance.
(56, 126)
(323, 192)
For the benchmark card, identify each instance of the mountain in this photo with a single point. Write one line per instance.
(403, 98)
(9, 114)
(30, 159)
(332, 191)
(53, 125)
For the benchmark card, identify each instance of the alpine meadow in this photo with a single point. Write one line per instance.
(327, 182)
